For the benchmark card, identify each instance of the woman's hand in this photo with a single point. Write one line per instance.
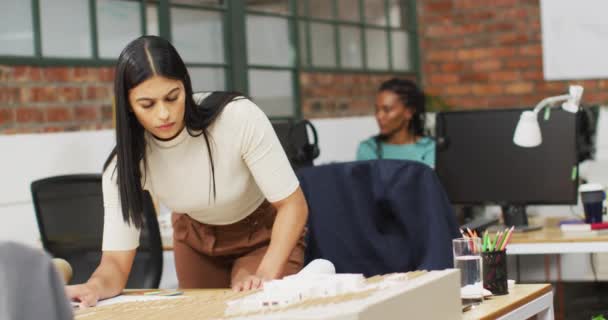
(251, 282)
(85, 294)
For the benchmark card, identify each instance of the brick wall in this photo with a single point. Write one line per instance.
(474, 54)
(49, 99)
(328, 95)
(488, 54)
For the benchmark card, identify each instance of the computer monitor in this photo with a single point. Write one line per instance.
(478, 163)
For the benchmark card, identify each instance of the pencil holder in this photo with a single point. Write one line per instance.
(495, 271)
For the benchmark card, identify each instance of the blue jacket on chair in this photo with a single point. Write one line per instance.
(378, 216)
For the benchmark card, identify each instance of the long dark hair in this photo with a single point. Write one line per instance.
(143, 58)
(411, 97)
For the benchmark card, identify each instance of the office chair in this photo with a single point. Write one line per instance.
(293, 136)
(378, 216)
(69, 211)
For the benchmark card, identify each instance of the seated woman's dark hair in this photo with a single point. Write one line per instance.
(141, 59)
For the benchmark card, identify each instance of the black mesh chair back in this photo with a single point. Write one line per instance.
(69, 212)
(293, 136)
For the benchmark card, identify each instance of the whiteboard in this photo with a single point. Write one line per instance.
(574, 39)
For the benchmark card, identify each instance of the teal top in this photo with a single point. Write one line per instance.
(423, 151)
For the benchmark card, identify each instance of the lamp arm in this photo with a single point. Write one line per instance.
(548, 101)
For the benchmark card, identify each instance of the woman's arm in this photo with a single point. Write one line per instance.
(292, 213)
(108, 280)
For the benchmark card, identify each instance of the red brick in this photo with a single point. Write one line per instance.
(524, 63)
(457, 89)
(26, 74)
(504, 76)
(9, 95)
(503, 52)
(499, 27)
(532, 75)
(511, 38)
(506, 3)
(5, 73)
(106, 74)
(29, 115)
(440, 31)
(57, 74)
(471, 28)
(452, 67)
(442, 56)
(519, 88)
(474, 77)
(531, 50)
(52, 129)
(107, 113)
(595, 97)
(7, 115)
(488, 89)
(443, 79)
(98, 93)
(476, 53)
(58, 114)
(554, 87)
(70, 94)
(41, 94)
(87, 113)
(516, 13)
(438, 7)
(450, 44)
(82, 74)
(588, 85)
(487, 65)
(480, 16)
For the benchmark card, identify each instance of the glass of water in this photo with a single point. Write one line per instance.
(467, 258)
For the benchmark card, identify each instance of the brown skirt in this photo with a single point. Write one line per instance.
(215, 256)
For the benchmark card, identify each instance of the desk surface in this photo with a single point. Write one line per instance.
(210, 304)
(498, 306)
(214, 305)
(552, 233)
(550, 240)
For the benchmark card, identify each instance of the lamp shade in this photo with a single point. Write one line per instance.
(527, 132)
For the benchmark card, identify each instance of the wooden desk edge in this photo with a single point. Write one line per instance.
(506, 309)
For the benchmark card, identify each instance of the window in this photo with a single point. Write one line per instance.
(368, 35)
(271, 56)
(260, 52)
(65, 38)
(16, 28)
(198, 33)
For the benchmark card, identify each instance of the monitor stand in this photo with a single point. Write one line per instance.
(515, 215)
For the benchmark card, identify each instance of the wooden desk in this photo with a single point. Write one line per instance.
(550, 240)
(522, 302)
(210, 305)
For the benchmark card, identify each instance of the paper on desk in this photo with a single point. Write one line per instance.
(131, 298)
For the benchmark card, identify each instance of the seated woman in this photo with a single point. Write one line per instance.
(400, 116)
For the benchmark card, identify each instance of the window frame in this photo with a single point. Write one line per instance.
(236, 67)
(362, 25)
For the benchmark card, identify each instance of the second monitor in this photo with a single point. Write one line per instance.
(478, 163)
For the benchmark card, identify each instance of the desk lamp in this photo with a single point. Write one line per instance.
(527, 133)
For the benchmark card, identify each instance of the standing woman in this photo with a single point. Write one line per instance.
(400, 108)
(215, 161)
